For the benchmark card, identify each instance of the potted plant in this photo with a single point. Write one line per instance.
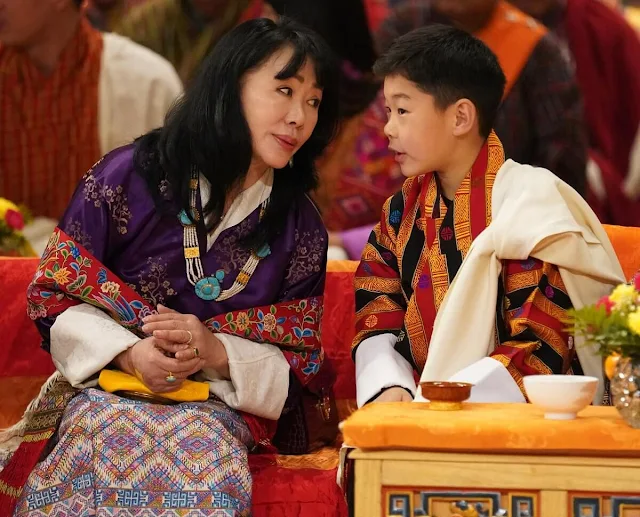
(613, 326)
(12, 221)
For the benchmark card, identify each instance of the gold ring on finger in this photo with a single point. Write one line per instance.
(196, 352)
(190, 337)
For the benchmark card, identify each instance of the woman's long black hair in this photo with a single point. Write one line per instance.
(344, 25)
(207, 129)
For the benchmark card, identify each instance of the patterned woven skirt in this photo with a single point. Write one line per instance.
(119, 457)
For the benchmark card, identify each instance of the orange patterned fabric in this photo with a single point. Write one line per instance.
(416, 252)
(49, 124)
(490, 428)
(532, 323)
(421, 208)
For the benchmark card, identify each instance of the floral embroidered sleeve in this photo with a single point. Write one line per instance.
(531, 315)
(305, 277)
(99, 217)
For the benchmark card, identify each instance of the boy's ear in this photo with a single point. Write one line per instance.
(465, 117)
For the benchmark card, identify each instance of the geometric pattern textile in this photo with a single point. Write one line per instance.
(120, 457)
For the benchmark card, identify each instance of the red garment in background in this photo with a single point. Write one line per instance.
(254, 10)
(377, 11)
(606, 50)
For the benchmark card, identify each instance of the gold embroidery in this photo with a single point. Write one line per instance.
(526, 279)
(415, 329)
(379, 305)
(192, 252)
(548, 307)
(494, 162)
(326, 458)
(9, 490)
(243, 278)
(379, 285)
(371, 321)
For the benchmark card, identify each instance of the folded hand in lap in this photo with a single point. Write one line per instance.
(186, 338)
(147, 361)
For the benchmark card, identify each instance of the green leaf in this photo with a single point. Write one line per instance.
(232, 326)
(286, 339)
(273, 309)
(229, 317)
(251, 313)
(86, 292)
(48, 273)
(247, 333)
(56, 268)
(65, 254)
(77, 283)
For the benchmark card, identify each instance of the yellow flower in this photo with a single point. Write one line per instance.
(5, 205)
(633, 321)
(242, 321)
(110, 288)
(624, 294)
(62, 276)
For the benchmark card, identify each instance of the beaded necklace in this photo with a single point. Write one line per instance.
(209, 287)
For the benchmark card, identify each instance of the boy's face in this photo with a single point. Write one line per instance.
(418, 132)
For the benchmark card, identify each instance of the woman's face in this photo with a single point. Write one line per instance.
(281, 113)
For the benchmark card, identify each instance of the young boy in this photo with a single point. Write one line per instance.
(472, 268)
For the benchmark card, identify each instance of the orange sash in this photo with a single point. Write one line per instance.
(512, 36)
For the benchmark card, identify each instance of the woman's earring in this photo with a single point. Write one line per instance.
(291, 162)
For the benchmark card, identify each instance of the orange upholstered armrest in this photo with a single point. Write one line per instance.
(626, 242)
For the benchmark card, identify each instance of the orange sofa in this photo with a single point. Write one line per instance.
(296, 486)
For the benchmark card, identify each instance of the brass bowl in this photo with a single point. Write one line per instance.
(446, 396)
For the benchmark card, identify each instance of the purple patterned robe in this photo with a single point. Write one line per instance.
(113, 215)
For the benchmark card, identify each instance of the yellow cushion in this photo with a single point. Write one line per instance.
(490, 428)
(189, 391)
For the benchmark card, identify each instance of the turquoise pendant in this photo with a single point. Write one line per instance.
(264, 251)
(208, 288)
(184, 218)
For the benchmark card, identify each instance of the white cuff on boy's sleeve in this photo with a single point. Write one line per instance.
(380, 366)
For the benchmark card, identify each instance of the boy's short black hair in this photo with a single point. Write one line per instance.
(449, 64)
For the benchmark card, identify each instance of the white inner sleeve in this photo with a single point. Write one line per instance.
(259, 382)
(84, 340)
(380, 366)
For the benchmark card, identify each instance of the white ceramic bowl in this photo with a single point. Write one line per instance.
(561, 397)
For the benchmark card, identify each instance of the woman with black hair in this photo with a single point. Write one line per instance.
(194, 254)
(358, 172)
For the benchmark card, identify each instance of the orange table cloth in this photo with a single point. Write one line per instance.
(490, 429)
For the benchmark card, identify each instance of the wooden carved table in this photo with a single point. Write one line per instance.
(492, 460)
